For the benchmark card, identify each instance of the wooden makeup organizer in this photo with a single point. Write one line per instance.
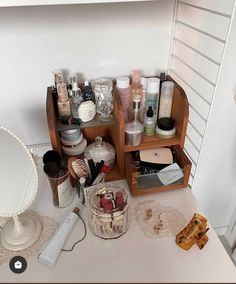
(113, 132)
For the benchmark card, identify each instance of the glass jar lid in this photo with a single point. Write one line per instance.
(101, 150)
(107, 199)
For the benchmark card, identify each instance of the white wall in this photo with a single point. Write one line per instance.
(95, 40)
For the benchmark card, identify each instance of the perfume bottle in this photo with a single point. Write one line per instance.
(76, 99)
(72, 78)
(137, 112)
(134, 129)
(87, 92)
(63, 102)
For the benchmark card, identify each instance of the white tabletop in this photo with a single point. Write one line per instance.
(132, 257)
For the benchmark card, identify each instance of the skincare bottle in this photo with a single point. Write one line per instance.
(166, 99)
(136, 112)
(63, 102)
(152, 97)
(162, 79)
(87, 92)
(144, 91)
(76, 99)
(123, 88)
(136, 88)
(149, 122)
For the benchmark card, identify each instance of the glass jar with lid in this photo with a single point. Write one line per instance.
(108, 210)
(102, 89)
(101, 150)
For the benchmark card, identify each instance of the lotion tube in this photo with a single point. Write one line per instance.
(51, 252)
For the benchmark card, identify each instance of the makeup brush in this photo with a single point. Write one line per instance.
(51, 156)
(51, 169)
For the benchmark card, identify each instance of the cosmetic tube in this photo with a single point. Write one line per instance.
(51, 252)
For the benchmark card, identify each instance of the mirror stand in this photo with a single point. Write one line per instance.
(21, 232)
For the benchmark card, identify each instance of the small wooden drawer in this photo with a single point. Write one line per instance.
(142, 184)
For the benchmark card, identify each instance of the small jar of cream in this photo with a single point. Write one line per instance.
(165, 128)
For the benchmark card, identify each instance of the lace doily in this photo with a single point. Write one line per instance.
(49, 227)
(157, 221)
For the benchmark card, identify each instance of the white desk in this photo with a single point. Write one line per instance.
(132, 257)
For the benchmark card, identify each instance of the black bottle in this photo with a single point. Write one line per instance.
(162, 79)
(87, 92)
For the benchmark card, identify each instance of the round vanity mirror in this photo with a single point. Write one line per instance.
(18, 188)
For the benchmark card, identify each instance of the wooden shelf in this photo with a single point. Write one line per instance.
(96, 122)
(151, 142)
(114, 174)
(18, 3)
(114, 132)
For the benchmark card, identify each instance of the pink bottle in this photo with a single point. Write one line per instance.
(123, 88)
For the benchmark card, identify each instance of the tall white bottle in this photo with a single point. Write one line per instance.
(152, 97)
(165, 107)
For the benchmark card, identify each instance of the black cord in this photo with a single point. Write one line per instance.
(85, 234)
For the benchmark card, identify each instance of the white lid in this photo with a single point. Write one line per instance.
(69, 131)
(122, 82)
(87, 111)
(153, 85)
(144, 83)
(73, 142)
(167, 88)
